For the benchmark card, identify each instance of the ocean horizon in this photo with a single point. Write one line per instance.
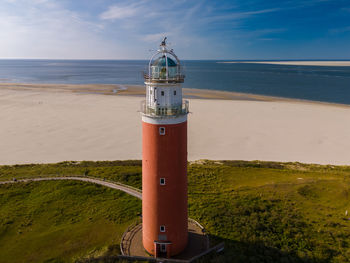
(315, 83)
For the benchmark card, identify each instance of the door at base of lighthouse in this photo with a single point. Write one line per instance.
(162, 248)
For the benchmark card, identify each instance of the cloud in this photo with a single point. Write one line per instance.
(151, 38)
(128, 28)
(189, 23)
(46, 29)
(238, 15)
(253, 34)
(119, 12)
(263, 11)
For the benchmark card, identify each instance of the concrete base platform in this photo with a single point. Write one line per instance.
(198, 242)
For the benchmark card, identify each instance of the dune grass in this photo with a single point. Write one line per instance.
(128, 172)
(62, 221)
(273, 212)
(263, 211)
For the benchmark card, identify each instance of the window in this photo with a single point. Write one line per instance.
(162, 130)
(174, 92)
(162, 93)
(162, 181)
(162, 228)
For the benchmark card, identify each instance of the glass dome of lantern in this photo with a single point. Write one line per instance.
(165, 68)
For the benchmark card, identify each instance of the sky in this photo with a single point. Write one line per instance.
(196, 29)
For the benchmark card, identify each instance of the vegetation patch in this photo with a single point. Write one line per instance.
(128, 172)
(263, 211)
(62, 221)
(272, 212)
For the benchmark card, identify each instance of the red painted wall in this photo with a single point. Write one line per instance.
(164, 156)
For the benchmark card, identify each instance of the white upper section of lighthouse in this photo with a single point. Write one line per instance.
(163, 86)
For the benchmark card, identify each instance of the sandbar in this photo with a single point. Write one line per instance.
(298, 63)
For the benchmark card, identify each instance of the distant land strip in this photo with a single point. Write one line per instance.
(118, 186)
(297, 63)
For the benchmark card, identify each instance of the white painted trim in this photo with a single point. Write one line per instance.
(160, 121)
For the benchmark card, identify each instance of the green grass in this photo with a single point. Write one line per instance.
(62, 221)
(270, 212)
(263, 211)
(128, 172)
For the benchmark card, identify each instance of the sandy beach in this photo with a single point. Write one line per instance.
(299, 63)
(44, 125)
(131, 90)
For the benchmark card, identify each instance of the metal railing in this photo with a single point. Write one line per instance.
(160, 78)
(161, 112)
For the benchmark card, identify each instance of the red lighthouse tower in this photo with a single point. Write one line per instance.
(164, 157)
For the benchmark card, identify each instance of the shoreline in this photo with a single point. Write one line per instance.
(139, 91)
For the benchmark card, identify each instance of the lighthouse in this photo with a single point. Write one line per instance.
(164, 156)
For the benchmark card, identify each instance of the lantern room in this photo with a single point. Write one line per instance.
(164, 67)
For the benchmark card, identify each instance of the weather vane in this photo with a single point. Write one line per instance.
(164, 41)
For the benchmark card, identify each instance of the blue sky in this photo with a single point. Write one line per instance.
(111, 29)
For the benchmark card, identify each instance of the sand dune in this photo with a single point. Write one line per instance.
(43, 127)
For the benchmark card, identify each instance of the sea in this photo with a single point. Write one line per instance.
(316, 83)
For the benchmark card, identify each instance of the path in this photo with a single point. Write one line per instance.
(127, 189)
